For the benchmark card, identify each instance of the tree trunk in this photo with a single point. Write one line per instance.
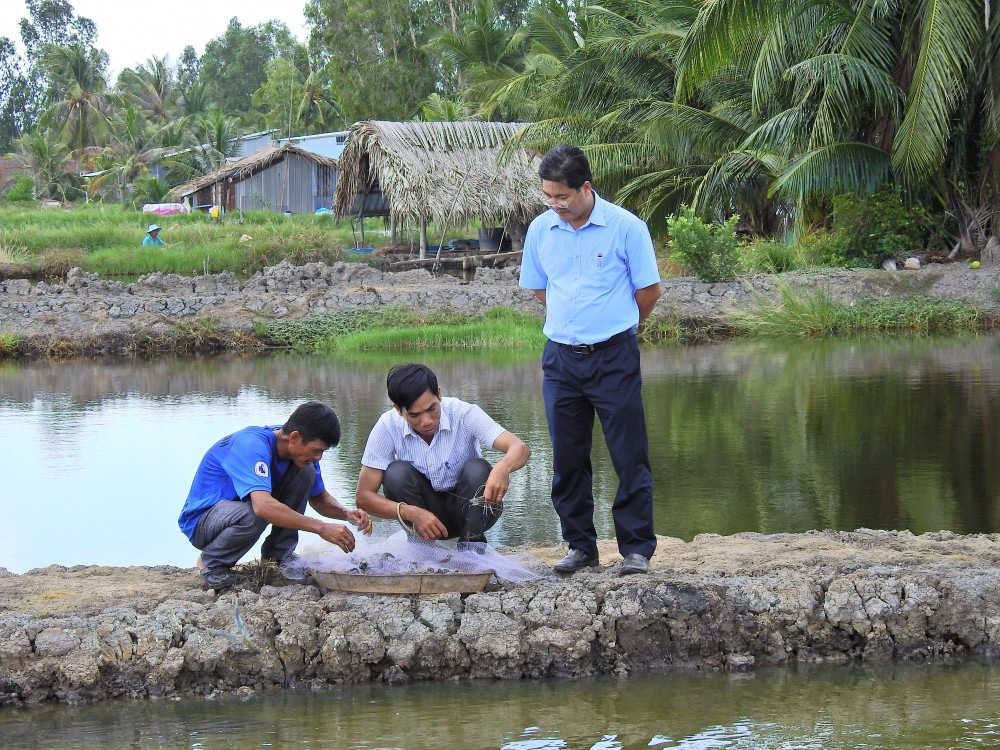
(965, 241)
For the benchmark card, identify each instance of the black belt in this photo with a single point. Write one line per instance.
(591, 348)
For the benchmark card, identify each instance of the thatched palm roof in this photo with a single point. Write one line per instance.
(443, 171)
(248, 165)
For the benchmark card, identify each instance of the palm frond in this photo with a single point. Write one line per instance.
(838, 167)
(948, 31)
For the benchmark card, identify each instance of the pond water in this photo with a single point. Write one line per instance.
(767, 437)
(891, 706)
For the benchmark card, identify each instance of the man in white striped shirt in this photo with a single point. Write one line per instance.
(425, 455)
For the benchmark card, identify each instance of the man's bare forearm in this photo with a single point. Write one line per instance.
(646, 299)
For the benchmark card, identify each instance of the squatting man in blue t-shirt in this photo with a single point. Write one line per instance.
(260, 476)
(425, 455)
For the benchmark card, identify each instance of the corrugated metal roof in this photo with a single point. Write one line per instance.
(247, 165)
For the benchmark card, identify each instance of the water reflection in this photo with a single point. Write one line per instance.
(764, 437)
(927, 706)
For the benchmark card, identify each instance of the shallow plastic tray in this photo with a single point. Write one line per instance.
(402, 583)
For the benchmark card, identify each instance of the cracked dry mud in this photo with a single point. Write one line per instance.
(93, 633)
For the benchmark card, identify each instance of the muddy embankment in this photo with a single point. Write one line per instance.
(89, 634)
(86, 314)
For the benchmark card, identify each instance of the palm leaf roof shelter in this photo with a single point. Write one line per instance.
(445, 172)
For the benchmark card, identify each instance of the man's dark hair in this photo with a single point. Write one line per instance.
(566, 164)
(314, 421)
(406, 383)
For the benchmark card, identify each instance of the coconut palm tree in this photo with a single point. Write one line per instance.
(80, 113)
(215, 137)
(194, 99)
(487, 47)
(135, 145)
(877, 92)
(318, 108)
(150, 87)
(51, 165)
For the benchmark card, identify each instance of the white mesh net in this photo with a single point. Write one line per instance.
(400, 553)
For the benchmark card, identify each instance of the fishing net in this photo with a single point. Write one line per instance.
(402, 553)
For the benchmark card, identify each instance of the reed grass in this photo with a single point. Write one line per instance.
(815, 314)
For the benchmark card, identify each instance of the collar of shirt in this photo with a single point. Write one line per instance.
(596, 217)
(444, 424)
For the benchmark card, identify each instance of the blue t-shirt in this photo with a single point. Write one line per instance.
(151, 240)
(233, 468)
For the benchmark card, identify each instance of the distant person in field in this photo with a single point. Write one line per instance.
(424, 453)
(153, 236)
(260, 476)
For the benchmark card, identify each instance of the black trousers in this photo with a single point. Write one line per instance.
(608, 382)
(403, 483)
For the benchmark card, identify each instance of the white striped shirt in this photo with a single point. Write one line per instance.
(463, 427)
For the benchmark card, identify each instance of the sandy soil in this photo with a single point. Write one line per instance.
(58, 590)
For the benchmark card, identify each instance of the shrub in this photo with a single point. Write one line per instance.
(710, 251)
(21, 191)
(868, 229)
(816, 248)
(770, 256)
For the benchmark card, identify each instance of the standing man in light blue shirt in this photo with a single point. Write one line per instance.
(592, 264)
(425, 455)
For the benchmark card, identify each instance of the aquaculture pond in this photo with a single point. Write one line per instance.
(768, 437)
(889, 706)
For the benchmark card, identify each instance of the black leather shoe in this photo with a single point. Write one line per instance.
(218, 579)
(574, 561)
(634, 563)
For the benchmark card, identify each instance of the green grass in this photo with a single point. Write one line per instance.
(8, 344)
(108, 240)
(817, 314)
(397, 329)
(668, 330)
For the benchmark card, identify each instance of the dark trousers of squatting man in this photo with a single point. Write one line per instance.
(575, 386)
(404, 483)
(230, 528)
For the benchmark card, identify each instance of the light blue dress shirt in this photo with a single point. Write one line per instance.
(590, 275)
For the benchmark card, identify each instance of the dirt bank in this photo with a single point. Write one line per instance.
(89, 315)
(92, 633)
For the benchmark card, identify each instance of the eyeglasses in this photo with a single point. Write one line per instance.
(553, 203)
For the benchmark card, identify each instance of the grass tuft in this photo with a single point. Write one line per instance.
(815, 314)
(9, 344)
(668, 330)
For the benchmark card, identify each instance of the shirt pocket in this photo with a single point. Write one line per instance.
(606, 260)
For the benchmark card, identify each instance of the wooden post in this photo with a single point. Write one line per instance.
(423, 236)
(392, 230)
(363, 231)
